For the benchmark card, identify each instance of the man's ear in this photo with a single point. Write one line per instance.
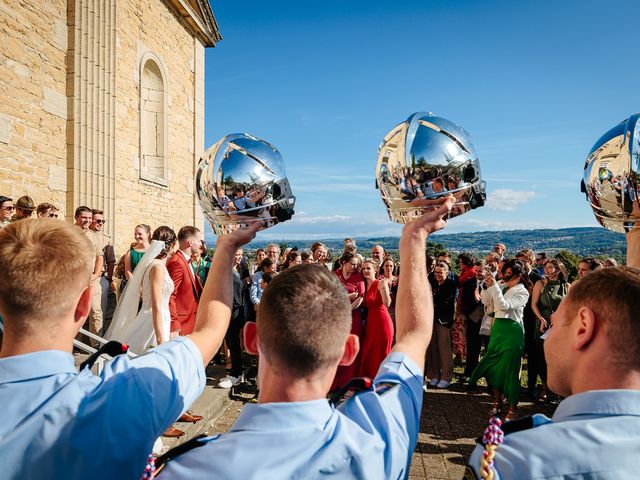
(83, 307)
(586, 327)
(251, 338)
(351, 349)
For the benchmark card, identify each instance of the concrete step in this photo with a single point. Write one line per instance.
(210, 405)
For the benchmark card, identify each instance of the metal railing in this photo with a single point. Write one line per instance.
(99, 365)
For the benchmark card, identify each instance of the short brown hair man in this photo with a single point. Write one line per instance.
(303, 334)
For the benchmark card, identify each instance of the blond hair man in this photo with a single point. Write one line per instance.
(62, 423)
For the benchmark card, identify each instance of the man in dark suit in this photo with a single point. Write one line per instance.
(183, 304)
(526, 256)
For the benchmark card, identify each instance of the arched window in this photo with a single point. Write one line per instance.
(153, 122)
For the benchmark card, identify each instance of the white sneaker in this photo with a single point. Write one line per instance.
(228, 382)
(443, 384)
(434, 382)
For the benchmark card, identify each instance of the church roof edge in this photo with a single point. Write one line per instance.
(198, 17)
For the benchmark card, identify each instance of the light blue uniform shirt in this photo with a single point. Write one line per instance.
(592, 435)
(61, 423)
(372, 435)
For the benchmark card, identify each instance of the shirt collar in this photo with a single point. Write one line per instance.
(283, 415)
(186, 257)
(599, 402)
(36, 365)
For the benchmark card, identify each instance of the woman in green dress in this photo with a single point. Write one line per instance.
(500, 365)
(545, 298)
(201, 264)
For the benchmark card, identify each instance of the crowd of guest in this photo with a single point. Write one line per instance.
(490, 312)
(494, 313)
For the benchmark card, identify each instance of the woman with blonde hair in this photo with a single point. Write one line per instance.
(378, 329)
(390, 275)
(353, 282)
(319, 252)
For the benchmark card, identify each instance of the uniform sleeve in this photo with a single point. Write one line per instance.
(156, 388)
(392, 410)
(406, 402)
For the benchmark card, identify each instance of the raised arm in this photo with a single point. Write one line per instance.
(633, 248)
(214, 309)
(414, 302)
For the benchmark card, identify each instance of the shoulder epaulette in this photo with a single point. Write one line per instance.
(383, 387)
(517, 425)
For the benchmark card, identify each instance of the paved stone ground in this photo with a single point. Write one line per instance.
(451, 420)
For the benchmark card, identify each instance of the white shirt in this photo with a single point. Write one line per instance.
(188, 259)
(511, 304)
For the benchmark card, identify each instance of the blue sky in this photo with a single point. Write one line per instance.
(534, 83)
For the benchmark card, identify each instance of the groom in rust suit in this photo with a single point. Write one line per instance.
(183, 303)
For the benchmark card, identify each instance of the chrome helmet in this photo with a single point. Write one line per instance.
(611, 176)
(424, 158)
(241, 179)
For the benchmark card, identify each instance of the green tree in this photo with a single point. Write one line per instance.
(434, 249)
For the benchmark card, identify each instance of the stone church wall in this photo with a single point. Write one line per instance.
(37, 113)
(33, 101)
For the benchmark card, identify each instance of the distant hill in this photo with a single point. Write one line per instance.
(582, 241)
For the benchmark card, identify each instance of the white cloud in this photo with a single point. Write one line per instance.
(507, 199)
(311, 219)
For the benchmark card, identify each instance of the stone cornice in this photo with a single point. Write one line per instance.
(198, 17)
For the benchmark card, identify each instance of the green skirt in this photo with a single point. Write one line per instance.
(500, 365)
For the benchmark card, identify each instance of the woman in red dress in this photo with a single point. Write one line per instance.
(459, 334)
(354, 283)
(378, 330)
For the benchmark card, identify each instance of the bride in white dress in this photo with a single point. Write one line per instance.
(150, 326)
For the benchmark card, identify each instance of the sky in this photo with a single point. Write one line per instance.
(535, 83)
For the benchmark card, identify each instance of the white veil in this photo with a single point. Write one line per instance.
(127, 309)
